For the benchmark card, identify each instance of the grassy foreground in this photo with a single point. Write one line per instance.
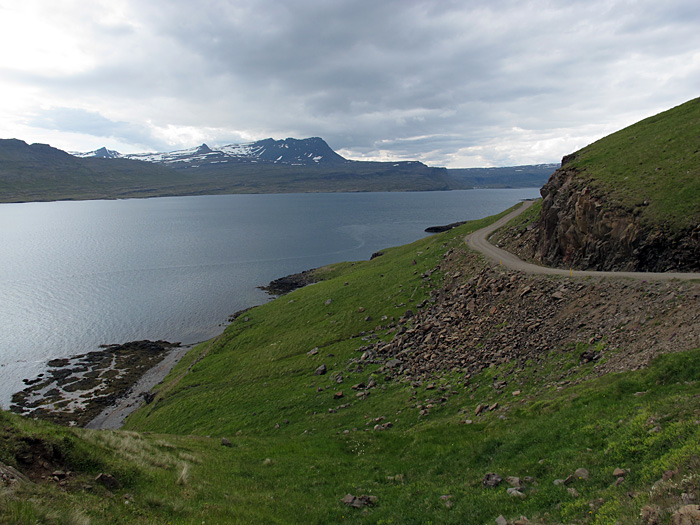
(297, 447)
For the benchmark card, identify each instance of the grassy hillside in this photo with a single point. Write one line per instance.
(651, 168)
(297, 446)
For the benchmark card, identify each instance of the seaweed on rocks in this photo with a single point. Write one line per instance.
(74, 390)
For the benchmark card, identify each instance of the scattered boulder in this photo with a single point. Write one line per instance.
(514, 481)
(515, 493)
(313, 351)
(392, 363)
(686, 515)
(320, 370)
(650, 515)
(492, 480)
(108, 481)
(581, 473)
(10, 475)
(359, 501)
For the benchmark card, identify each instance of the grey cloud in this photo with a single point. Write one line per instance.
(370, 75)
(91, 123)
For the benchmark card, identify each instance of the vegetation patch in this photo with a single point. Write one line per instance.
(651, 169)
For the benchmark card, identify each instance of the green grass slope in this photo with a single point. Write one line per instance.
(297, 447)
(651, 168)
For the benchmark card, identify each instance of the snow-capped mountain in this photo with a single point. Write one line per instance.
(294, 152)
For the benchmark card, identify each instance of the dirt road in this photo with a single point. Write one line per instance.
(478, 241)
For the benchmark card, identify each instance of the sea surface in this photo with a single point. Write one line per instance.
(75, 275)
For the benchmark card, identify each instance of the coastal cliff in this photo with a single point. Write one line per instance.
(628, 202)
(579, 227)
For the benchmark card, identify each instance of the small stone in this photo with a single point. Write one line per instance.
(686, 515)
(619, 481)
(492, 480)
(650, 515)
(392, 363)
(514, 481)
(516, 392)
(573, 492)
(581, 473)
(515, 493)
(338, 395)
(687, 498)
(501, 520)
(313, 351)
(225, 442)
(479, 409)
(558, 482)
(328, 302)
(320, 370)
(108, 481)
(619, 472)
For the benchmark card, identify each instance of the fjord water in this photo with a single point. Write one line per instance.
(75, 275)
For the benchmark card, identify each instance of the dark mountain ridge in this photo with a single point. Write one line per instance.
(39, 172)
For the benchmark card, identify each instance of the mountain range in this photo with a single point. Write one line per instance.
(293, 152)
(38, 172)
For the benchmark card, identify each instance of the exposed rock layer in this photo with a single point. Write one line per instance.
(580, 228)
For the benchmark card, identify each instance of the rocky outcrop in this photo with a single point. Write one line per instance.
(580, 228)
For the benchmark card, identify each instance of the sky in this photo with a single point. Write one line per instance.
(449, 83)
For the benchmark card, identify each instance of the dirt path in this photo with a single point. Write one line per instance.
(478, 241)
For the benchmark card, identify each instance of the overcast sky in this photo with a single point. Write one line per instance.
(451, 83)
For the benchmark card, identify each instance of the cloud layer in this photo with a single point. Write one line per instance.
(451, 83)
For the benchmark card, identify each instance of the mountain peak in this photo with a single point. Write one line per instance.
(204, 149)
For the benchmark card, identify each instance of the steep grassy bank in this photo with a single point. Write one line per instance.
(651, 168)
(629, 201)
(298, 442)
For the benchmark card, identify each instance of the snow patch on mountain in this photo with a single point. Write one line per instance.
(297, 152)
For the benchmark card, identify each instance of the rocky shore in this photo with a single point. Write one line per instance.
(75, 390)
(289, 283)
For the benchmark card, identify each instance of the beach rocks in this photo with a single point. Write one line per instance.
(73, 391)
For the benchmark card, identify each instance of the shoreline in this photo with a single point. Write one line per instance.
(112, 416)
(104, 384)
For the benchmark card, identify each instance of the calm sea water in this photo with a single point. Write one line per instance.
(74, 275)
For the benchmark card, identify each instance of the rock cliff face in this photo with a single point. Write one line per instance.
(580, 228)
